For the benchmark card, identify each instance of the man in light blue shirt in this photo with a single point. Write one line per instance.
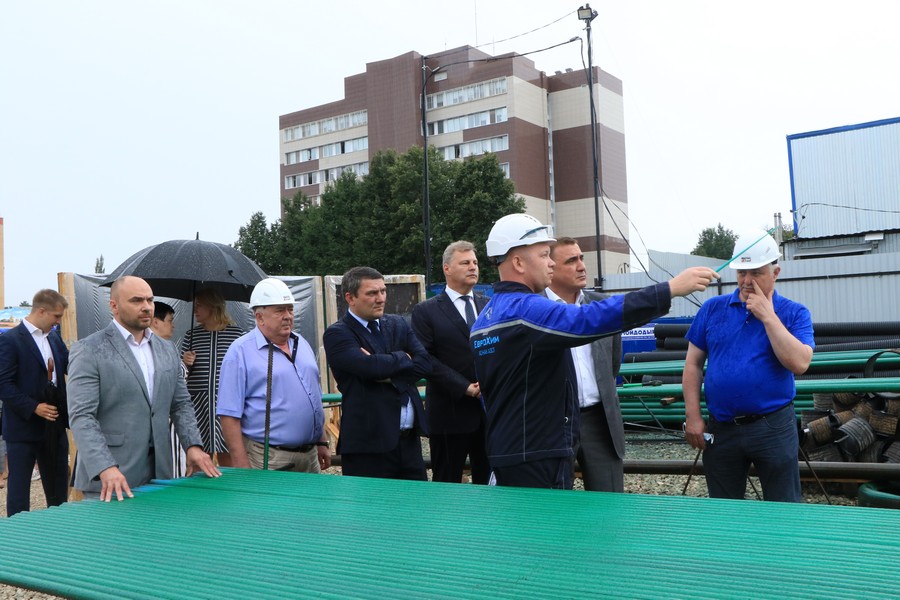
(297, 440)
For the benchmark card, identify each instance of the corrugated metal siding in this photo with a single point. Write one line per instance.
(255, 534)
(890, 244)
(847, 180)
(841, 289)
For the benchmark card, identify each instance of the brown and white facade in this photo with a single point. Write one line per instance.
(538, 125)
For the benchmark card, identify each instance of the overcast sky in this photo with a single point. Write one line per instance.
(124, 124)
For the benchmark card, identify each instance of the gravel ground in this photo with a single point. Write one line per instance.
(645, 446)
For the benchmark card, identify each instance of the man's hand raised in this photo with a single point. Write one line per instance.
(694, 279)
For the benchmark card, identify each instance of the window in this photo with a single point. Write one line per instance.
(476, 148)
(469, 93)
(478, 119)
(355, 119)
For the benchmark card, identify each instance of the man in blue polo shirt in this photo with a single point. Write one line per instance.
(756, 341)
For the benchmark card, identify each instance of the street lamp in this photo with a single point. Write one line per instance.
(426, 199)
(588, 14)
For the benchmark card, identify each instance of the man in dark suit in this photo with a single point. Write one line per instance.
(453, 397)
(600, 448)
(125, 384)
(33, 363)
(376, 361)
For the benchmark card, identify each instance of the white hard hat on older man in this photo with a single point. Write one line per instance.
(754, 249)
(271, 292)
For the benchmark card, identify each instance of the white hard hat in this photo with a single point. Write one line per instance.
(516, 230)
(754, 249)
(271, 292)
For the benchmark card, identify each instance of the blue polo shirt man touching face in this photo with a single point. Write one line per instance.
(755, 341)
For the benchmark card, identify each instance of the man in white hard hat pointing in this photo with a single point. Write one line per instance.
(756, 341)
(521, 343)
(272, 351)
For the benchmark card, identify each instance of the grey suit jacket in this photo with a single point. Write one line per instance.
(111, 415)
(607, 355)
(607, 358)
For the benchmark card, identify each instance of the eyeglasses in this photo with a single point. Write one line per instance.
(533, 232)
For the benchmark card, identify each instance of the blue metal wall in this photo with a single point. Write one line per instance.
(846, 180)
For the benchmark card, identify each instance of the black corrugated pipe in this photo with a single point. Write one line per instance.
(856, 329)
(842, 339)
(664, 330)
(674, 343)
(640, 357)
(891, 343)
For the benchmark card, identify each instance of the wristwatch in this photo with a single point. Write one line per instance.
(326, 443)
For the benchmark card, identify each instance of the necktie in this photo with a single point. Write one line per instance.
(470, 311)
(379, 344)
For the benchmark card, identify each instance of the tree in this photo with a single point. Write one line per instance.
(715, 242)
(98, 266)
(256, 243)
(787, 232)
(376, 220)
(24, 304)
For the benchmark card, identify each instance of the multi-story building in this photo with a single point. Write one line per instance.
(538, 125)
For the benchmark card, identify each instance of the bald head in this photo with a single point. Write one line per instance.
(131, 303)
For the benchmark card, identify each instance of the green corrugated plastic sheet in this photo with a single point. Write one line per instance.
(254, 534)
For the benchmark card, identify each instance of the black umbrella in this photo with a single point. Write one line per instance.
(178, 268)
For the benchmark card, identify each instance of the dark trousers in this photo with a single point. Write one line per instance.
(403, 462)
(770, 443)
(449, 452)
(548, 473)
(54, 471)
(601, 467)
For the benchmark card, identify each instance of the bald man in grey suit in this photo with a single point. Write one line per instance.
(600, 450)
(124, 386)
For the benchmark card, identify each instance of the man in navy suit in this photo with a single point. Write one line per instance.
(453, 397)
(376, 361)
(33, 363)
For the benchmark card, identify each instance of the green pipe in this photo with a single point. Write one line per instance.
(820, 361)
(804, 386)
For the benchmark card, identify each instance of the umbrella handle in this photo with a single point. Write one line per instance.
(268, 408)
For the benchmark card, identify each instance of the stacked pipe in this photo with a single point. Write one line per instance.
(842, 352)
(830, 337)
(854, 427)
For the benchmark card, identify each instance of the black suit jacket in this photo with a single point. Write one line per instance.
(375, 387)
(445, 335)
(23, 378)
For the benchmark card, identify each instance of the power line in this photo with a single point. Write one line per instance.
(568, 14)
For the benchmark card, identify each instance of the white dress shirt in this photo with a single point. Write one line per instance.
(143, 354)
(588, 393)
(43, 343)
(459, 304)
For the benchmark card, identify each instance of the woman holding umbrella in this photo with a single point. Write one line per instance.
(203, 349)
